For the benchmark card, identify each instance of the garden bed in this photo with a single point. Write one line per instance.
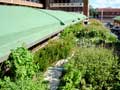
(94, 66)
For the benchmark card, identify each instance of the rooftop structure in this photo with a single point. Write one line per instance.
(30, 26)
(80, 6)
(117, 18)
(108, 12)
(117, 21)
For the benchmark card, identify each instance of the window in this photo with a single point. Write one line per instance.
(51, 1)
(33, 0)
(76, 1)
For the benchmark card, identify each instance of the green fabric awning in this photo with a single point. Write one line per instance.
(24, 25)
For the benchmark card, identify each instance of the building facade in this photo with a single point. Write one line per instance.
(108, 12)
(79, 6)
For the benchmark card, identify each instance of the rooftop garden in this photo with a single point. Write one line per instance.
(94, 65)
(117, 18)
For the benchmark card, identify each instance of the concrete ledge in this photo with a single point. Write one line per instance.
(23, 3)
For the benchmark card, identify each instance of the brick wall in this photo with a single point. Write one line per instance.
(21, 2)
(86, 7)
(67, 5)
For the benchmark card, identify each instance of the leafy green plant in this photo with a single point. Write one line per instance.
(20, 63)
(73, 29)
(99, 32)
(55, 50)
(26, 84)
(90, 69)
(71, 79)
(95, 32)
(95, 22)
(96, 69)
(21, 72)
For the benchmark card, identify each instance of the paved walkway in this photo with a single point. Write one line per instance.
(53, 74)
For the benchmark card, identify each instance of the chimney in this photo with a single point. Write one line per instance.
(86, 7)
(45, 4)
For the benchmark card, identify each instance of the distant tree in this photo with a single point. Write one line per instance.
(93, 12)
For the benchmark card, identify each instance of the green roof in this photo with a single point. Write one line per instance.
(19, 24)
(117, 18)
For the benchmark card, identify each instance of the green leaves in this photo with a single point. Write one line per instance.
(26, 84)
(22, 68)
(21, 63)
(91, 68)
(55, 50)
(71, 80)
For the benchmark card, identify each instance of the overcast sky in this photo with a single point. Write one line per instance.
(105, 3)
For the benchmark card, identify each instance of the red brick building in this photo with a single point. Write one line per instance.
(108, 12)
(80, 6)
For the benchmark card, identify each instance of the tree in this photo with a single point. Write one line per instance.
(93, 12)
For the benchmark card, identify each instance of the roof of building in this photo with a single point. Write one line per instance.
(27, 25)
(108, 9)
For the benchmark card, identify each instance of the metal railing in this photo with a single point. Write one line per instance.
(66, 4)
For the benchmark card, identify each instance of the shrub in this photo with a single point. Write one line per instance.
(26, 84)
(73, 29)
(91, 68)
(71, 79)
(18, 71)
(95, 65)
(96, 34)
(20, 64)
(95, 22)
(55, 50)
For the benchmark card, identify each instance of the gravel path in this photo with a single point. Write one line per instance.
(53, 74)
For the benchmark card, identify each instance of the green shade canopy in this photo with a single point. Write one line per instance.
(19, 24)
(117, 18)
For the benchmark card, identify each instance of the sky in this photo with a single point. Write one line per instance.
(105, 3)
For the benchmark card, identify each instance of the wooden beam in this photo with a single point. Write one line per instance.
(21, 2)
